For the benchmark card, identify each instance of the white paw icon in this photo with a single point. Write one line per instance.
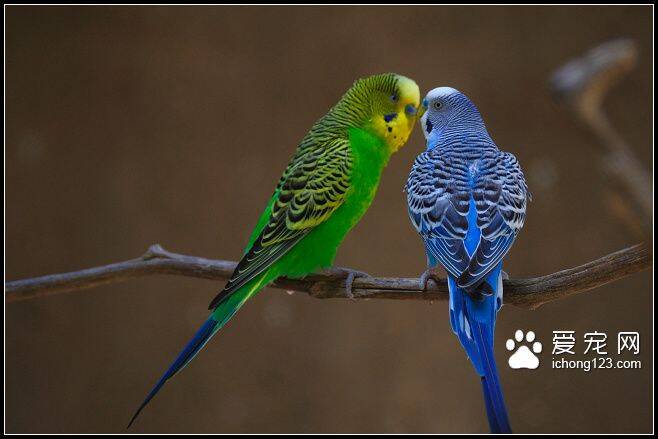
(523, 357)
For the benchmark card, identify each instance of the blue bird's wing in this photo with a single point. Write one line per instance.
(501, 196)
(438, 206)
(440, 191)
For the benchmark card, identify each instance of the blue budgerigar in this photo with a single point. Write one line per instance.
(467, 199)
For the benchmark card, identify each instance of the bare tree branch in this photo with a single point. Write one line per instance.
(526, 293)
(583, 84)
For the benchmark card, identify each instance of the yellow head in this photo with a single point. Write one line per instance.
(385, 105)
(395, 111)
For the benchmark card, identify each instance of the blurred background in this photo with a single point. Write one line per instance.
(127, 126)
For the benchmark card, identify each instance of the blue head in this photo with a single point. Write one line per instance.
(448, 113)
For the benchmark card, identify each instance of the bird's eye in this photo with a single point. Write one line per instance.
(395, 98)
(438, 105)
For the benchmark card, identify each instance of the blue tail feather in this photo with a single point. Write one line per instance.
(202, 336)
(220, 316)
(493, 394)
(473, 322)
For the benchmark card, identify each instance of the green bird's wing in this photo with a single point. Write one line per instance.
(311, 188)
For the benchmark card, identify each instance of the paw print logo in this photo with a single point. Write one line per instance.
(523, 357)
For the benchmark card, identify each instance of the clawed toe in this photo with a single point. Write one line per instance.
(427, 275)
(349, 275)
(349, 281)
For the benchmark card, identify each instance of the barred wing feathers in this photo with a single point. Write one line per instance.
(312, 187)
(439, 191)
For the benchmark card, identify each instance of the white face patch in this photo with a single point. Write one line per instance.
(423, 125)
(430, 98)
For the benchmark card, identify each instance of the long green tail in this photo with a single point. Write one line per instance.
(219, 317)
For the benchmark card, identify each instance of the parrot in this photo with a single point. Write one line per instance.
(467, 200)
(326, 188)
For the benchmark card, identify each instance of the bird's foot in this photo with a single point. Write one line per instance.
(428, 274)
(349, 275)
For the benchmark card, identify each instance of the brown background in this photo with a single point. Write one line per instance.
(129, 126)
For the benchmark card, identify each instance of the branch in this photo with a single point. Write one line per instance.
(583, 84)
(525, 293)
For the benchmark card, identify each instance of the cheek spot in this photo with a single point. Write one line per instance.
(389, 117)
(428, 126)
(390, 129)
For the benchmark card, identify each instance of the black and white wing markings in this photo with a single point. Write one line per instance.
(438, 200)
(312, 187)
(501, 196)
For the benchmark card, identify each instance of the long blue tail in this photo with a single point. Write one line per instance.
(493, 394)
(224, 311)
(474, 321)
(187, 354)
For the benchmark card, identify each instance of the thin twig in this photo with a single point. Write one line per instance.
(526, 293)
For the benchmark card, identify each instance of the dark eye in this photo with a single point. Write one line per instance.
(438, 105)
(395, 98)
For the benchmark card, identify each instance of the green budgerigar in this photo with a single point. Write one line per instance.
(326, 188)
